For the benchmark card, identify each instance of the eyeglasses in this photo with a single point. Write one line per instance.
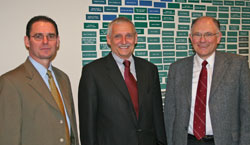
(207, 35)
(40, 36)
(128, 36)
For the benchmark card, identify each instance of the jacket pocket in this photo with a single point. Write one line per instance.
(235, 136)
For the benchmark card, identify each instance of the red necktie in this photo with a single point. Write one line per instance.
(199, 126)
(131, 85)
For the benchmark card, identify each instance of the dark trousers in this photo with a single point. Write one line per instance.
(208, 140)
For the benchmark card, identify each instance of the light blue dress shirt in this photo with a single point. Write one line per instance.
(121, 66)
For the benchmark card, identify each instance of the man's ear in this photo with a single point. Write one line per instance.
(58, 42)
(136, 38)
(219, 37)
(108, 40)
(27, 42)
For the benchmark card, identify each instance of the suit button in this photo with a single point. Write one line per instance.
(139, 130)
(61, 140)
(61, 121)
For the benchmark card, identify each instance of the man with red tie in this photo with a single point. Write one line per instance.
(119, 95)
(208, 95)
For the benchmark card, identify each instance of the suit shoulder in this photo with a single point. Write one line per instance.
(96, 62)
(16, 77)
(59, 71)
(15, 73)
(231, 56)
(236, 56)
(182, 61)
(144, 62)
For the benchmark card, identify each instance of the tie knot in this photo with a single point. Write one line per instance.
(126, 63)
(49, 74)
(204, 63)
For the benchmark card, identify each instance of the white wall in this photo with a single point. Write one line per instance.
(14, 15)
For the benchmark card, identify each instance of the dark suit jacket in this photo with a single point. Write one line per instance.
(106, 112)
(28, 113)
(229, 100)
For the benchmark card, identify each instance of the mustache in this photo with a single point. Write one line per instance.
(124, 45)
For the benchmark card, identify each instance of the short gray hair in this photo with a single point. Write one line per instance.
(116, 21)
(216, 22)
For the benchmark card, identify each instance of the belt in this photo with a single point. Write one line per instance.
(206, 138)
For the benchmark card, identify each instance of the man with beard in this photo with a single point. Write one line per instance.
(208, 95)
(119, 95)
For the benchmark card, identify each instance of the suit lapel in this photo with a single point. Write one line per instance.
(187, 75)
(116, 77)
(221, 65)
(36, 82)
(141, 83)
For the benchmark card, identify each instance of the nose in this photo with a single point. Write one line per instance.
(202, 38)
(45, 39)
(124, 40)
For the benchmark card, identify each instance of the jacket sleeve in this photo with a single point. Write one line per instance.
(169, 105)
(87, 105)
(244, 104)
(158, 110)
(10, 113)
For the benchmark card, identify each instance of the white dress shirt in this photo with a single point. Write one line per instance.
(197, 66)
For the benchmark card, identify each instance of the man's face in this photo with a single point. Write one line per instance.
(205, 37)
(43, 42)
(122, 39)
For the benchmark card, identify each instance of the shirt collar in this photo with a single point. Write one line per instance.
(40, 68)
(210, 60)
(120, 60)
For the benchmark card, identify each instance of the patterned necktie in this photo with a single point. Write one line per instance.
(131, 85)
(199, 126)
(58, 99)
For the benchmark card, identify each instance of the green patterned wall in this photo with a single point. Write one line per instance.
(163, 28)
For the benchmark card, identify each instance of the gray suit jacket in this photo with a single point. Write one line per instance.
(106, 112)
(229, 100)
(28, 113)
